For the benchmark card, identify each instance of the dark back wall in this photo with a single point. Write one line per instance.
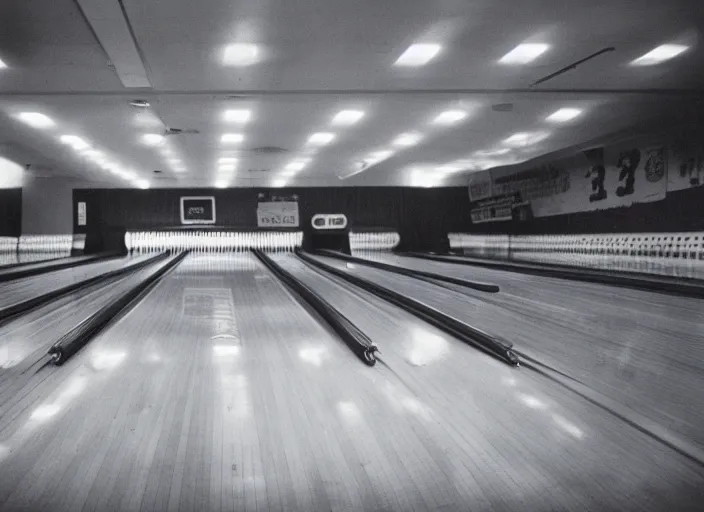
(421, 216)
(10, 212)
(680, 211)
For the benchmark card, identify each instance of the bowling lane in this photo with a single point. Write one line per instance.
(24, 341)
(551, 437)
(19, 290)
(640, 349)
(38, 261)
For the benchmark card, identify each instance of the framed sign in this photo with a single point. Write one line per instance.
(198, 210)
(327, 221)
(81, 213)
(277, 214)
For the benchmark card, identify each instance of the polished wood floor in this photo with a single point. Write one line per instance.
(220, 391)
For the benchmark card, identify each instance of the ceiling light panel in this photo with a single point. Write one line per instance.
(2, 64)
(321, 138)
(418, 55)
(231, 138)
(523, 139)
(407, 139)
(152, 139)
(297, 165)
(241, 54)
(347, 117)
(660, 54)
(36, 120)
(237, 116)
(227, 160)
(75, 142)
(450, 117)
(108, 22)
(564, 115)
(524, 54)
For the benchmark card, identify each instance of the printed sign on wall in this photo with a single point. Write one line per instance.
(82, 213)
(277, 214)
(686, 166)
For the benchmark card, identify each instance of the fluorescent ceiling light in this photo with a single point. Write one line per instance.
(347, 117)
(241, 54)
(279, 183)
(523, 139)
(2, 64)
(75, 142)
(129, 175)
(450, 116)
(563, 115)
(220, 184)
(227, 160)
(524, 53)
(660, 54)
(174, 161)
(407, 139)
(226, 167)
(492, 152)
(449, 168)
(418, 55)
(321, 138)
(288, 173)
(237, 116)
(36, 120)
(231, 138)
(143, 184)
(152, 139)
(297, 165)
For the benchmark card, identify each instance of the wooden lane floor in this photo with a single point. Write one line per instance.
(641, 349)
(219, 391)
(542, 438)
(19, 290)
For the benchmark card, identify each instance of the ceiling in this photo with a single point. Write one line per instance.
(82, 62)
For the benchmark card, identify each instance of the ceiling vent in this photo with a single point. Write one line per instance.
(268, 150)
(181, 131)
(502, 107)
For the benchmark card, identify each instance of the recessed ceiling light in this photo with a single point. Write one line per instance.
(2, 64)
(36, 120)
(237, 116)
(563, 115)
(524, 53)
(321, 138)
(418, 55)
(231, 138)
(660, 54)
(297, 165)
(241, 54)
(227, 160)
(220, 184)
(523, 139)
(75, 142)
(450, 116)
(347, 117)
(143, 184)
(278, 183)
(152, 139)
(407, 139)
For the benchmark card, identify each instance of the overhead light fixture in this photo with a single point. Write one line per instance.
(241, 54)
(227, 160)
(152, 139)
(279, 183)
(347, 117)
(143, 184)
(2, 65)
(492, 152)
(660, 54)
(296, 165)
(36, 120)
(450, 116)
(563, 115)
(231, 138)
(523, 139)
(237, 116)
(321, 138)
(140, 103)
(449, 168)
(524, 53)
(407, 139)
(418, 55)
(75, 142)
(220, 184)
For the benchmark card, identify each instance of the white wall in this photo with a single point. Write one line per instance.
(10, 174)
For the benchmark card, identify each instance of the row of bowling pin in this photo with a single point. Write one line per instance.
(8, 244)
(59, 244)
(361, 242)
(220, 241)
